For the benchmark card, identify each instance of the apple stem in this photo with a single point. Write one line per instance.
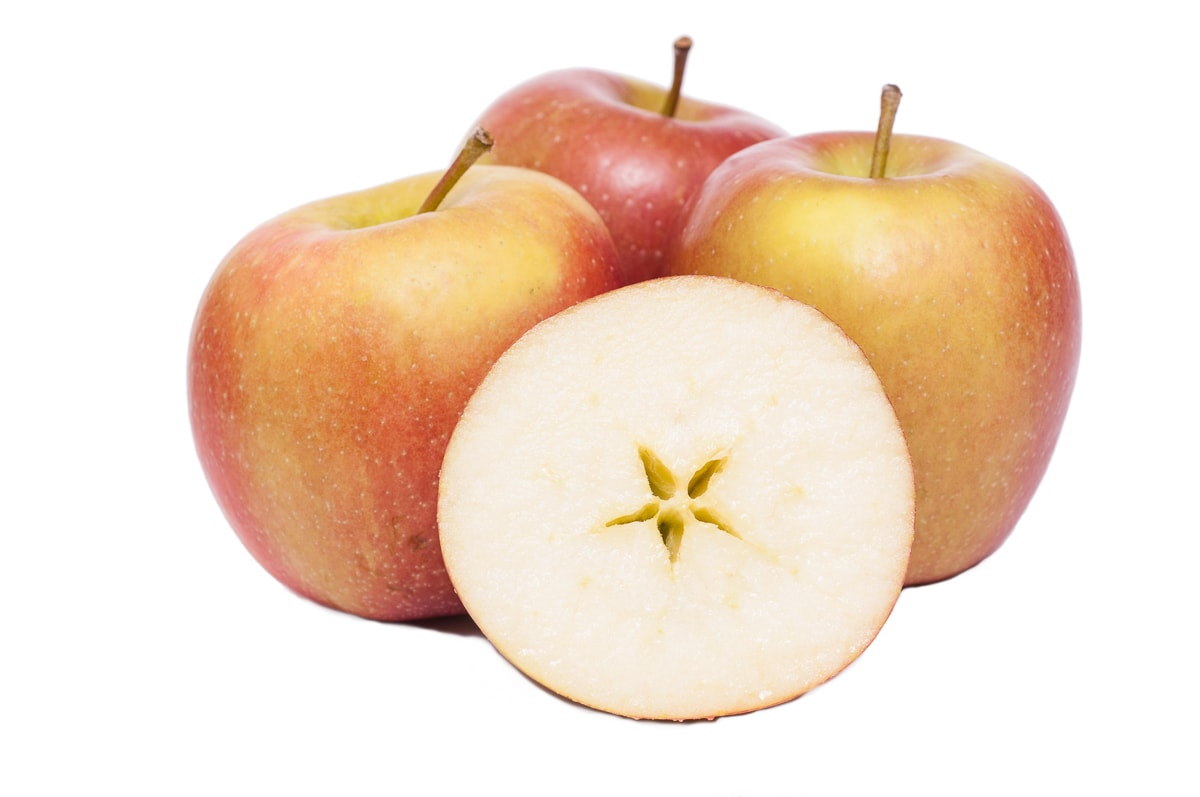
(888, 104)
(683, 46)
(476, 145)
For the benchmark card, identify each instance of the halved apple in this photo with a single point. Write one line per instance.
(685, 498)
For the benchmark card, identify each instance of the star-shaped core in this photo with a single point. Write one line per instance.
(670, 508)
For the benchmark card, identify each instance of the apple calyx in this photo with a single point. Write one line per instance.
(889, 102)
(671, 509)
(479, 143)
(683, 46)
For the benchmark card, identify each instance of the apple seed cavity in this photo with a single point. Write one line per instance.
(671, 514)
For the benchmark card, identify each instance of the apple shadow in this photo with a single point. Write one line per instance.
(458, 625)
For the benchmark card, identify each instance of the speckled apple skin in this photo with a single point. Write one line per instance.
(956, 277)
(334, 350)
(605, 135)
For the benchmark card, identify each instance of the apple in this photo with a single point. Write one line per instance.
(951, 270)
(334, 349)
(682, 499)
(636, 151)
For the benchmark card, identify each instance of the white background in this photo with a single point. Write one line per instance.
(144, 651)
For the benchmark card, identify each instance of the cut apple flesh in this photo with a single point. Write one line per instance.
(682, 499)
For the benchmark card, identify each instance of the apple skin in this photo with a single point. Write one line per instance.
(334, 349)
(604, 135)
(955, 276)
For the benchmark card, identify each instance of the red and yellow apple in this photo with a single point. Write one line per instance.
(608, 136)
(954, 274)
(332, 354)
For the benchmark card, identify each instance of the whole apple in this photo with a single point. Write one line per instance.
(608, 136)
(954, 274)
(334, 350)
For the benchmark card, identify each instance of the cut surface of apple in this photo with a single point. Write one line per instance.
(682, 499)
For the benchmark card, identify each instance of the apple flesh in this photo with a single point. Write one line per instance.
(954, 274)
(682, 499)
(606, 136)
(334, 349)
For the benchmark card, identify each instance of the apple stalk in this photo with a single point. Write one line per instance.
(889, 103)
(479, 143)
(683, 46)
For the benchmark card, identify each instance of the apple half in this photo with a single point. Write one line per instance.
(682, 499)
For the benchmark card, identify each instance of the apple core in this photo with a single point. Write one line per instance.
(671, 511)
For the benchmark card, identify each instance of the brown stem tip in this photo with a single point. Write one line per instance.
(479, 143)
(889, 103)
(683, 45)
